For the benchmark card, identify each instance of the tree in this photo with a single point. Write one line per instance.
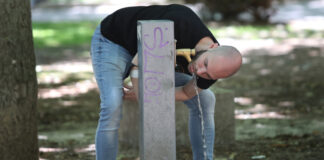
(18, 83)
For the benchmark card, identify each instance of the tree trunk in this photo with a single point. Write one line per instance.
(18, 83)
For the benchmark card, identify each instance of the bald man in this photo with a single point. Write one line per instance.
(113, 47)
(211, 64)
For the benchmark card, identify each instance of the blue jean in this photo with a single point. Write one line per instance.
(110, 64)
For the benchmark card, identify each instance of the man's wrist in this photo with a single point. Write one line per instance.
(134, 72)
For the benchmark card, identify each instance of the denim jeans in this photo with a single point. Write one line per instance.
(110, 64)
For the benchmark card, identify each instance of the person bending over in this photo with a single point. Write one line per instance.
(114, 46)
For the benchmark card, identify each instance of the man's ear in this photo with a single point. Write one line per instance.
(214, 45)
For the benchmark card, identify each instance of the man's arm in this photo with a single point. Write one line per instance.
(182, 93)
(134, 79)
(187, 91)
(205, 44)
(131, 93)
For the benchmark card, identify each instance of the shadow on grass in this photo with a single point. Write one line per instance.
(53, 112)
(290, 81)
(51, 55)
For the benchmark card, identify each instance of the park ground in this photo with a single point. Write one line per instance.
(279, 90)
(279, 98)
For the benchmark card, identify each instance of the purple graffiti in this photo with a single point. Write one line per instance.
(152, 83)
(161, 44)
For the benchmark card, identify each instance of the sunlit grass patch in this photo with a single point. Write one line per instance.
(49, 34)
(242, 31)
(59, 78)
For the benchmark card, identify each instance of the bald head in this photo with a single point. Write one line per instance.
(216, 63)
(224, 61)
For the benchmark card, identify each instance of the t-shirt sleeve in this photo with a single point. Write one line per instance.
(204, 83)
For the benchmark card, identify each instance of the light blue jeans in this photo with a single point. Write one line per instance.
(110, 64)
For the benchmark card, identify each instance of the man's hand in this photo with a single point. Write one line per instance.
(129, 93)
(187, 91)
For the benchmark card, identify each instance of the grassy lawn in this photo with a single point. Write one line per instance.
(63, 34)
(67, 34)
(69, 100)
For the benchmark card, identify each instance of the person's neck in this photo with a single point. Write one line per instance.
(204, 44)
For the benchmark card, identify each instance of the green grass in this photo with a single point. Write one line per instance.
(63, 33)
(247, 31)
(67, 34)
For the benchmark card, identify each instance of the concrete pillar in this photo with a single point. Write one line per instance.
(156, 90)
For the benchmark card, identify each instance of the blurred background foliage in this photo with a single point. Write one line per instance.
(260, 10)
